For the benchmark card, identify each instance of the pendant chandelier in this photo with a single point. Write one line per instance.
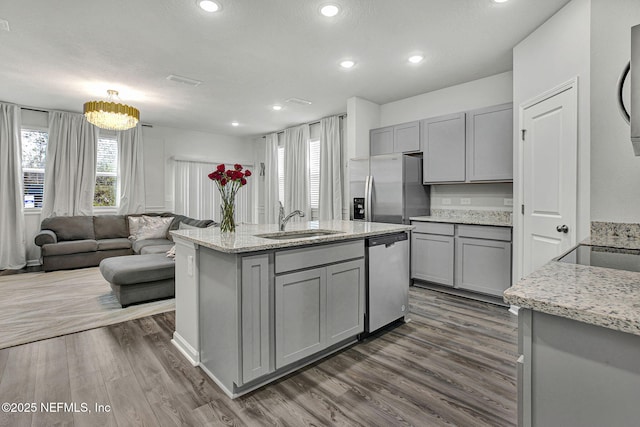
(110, 114)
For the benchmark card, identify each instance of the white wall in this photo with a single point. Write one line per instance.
(615, 171)
(558, 51)
(492, 90)
(362, 115)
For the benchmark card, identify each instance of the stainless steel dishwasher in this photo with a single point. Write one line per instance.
(387, 280)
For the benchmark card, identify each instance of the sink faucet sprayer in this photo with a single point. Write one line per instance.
(282, 219)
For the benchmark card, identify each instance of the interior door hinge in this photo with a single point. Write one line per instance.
(522, 209)
(524, 131)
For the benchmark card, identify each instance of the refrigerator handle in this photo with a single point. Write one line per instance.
(368, 190)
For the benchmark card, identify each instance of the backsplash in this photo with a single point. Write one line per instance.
(472, 196)
(615, 229)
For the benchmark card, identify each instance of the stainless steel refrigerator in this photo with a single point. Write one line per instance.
(387, 188)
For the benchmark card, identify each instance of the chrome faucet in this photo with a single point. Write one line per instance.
(282, 219)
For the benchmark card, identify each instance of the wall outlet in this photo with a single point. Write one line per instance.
(508, 202)
(465, 201)
(446, 201)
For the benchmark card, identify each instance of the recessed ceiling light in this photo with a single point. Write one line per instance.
(330, 10)
(208, 5)
(500, 1)
(347, 63)
(277, 107)
(235, 124)
(416, 59)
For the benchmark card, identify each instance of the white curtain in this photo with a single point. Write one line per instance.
(70, 168)
(131, 171)
(13, 242)
(330, 202)
(271, 198)
(296, 171)
(197, 196)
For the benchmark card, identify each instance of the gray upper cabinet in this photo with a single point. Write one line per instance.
(490, 144)
(406, 137)
(443, 146)
(381, 141)
(403, 138)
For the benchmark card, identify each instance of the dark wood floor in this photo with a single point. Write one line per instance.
(453, 364)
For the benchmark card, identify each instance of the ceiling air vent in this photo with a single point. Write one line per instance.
(184, 80)
(4, 25)
(298, 101)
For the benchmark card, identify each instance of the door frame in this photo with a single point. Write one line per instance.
(571, 83)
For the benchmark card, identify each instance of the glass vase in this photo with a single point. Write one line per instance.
(228, 224)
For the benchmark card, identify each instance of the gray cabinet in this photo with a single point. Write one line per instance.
(432, 258)
(300, 311)
(490, 144)
(403, 138)
(381, 141)
(255, 317)
(471, 257)
(483, 265)
(345, 300)
(443, 147)
(320, 306)
(476, 146)
(406, 137)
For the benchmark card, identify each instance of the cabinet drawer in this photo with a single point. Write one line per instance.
(485, 232)
(298, 259)
(433, 228)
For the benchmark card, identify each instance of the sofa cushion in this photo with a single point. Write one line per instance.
(69, 247)
(156, 249)
(133, 269)
(139, 244)
(110, 227)
(111, 244)
(70, 227)
(45, 236)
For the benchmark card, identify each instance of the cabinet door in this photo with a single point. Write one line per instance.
(345, 300)
(255, 317)
(381, 141)
(300, 308)
(406, 137)
(432, 258)
(443, 146)
(483, 265)
(490, 144)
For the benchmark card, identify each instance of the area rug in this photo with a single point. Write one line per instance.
(37, 306)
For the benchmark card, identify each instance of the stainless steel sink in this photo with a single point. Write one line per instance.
(297, 234)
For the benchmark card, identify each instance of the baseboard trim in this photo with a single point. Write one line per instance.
(33, 263)
(190, 353)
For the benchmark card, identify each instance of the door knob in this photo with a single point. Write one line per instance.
(562, 229)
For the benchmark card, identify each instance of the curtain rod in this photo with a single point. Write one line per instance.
(42, 110)
(315, 122)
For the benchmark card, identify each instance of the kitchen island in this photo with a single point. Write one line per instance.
(579, 341)
(257, 304)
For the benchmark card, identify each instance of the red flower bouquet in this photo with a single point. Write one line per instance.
(229, 182)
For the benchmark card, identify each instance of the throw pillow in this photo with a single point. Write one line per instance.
(135, 222)
(153, 227)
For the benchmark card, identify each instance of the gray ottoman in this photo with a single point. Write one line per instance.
(140, 278)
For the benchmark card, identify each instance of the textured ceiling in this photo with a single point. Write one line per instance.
(252, 54)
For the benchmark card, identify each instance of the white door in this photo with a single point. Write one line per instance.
(550, 155)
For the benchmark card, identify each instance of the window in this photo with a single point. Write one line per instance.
(34, 150)
(314, 174)
(106, 172)
(281, 174)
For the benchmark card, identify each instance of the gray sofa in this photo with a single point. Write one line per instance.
(68, 242)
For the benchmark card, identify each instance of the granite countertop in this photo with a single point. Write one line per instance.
(474, 217)
(245, 238)
(595, 295)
